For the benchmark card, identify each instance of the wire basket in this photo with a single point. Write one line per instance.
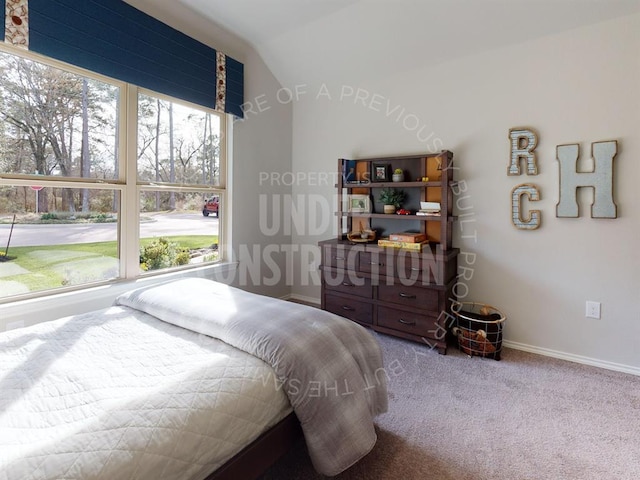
(478, 329)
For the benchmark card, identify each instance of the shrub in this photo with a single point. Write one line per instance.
(49, 216)
(161, 253)
(100, 218)
(183, 257)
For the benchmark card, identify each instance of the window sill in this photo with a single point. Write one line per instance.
(30, 311)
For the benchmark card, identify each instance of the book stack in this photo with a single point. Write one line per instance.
(405, 240)
(429, 209)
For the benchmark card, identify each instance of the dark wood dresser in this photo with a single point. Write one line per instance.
(398, 292)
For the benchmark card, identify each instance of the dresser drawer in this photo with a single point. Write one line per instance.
(410, 296)
(425, 268)
(376, 263)
(408, 322)
(349, 283)
(349, 308)
(340, 256)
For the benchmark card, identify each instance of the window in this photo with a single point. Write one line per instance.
(71, 189)
(178, 146)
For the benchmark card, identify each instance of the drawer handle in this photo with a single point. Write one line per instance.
(406, 322)
(377, 264)
(338, 258)
(414, 269)
(348, 308)
(406, 295)
(347, 284)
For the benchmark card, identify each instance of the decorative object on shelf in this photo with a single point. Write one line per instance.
(380, 172)
(409, 237)
(405, 240)
(398, 175)
(392, 199)
(429, 209)
(358, 203)
(403, 211)
(413, 246)
(364, 235)
(349, 171)
(430, 206)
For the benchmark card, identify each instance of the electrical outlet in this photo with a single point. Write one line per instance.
(593, 310)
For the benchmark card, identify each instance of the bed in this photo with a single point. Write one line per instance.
(186, 380)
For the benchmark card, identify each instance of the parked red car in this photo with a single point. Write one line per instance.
(211, 206)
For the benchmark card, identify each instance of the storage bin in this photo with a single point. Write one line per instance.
(478, 329)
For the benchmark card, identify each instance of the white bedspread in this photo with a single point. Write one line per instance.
(330, 368)
(117, 394)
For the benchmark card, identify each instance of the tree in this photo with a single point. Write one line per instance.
(23, 109)
(43, 106)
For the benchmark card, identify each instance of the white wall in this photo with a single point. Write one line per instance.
(580, 86)
(261, 146)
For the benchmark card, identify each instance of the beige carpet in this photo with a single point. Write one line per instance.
(524, 417)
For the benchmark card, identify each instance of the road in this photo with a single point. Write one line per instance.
(56, 234)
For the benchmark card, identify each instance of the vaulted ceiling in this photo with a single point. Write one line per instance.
(340, 41)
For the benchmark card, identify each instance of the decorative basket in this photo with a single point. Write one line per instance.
(358, 237)
(364, 234)
(478, 328)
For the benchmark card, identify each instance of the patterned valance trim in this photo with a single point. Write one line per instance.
(16, 23)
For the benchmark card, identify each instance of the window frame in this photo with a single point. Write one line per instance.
(127, 183)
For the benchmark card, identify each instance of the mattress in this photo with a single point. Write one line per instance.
(119, 394)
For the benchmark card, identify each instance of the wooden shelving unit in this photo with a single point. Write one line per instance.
(437, 167)
(395, 291)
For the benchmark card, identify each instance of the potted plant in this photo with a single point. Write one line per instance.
(391, 198)
(398, 175)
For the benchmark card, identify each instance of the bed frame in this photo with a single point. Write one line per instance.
(259, 455)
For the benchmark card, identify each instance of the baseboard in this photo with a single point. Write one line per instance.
(314, 302)
(618, 367)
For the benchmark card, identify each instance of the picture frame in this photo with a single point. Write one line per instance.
(380, 172)
(358, 203)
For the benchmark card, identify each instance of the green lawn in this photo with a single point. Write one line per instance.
(51, 266)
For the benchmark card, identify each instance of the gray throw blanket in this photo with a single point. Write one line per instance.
(330, 368)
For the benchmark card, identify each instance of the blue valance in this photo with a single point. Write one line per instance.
(115, 39)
